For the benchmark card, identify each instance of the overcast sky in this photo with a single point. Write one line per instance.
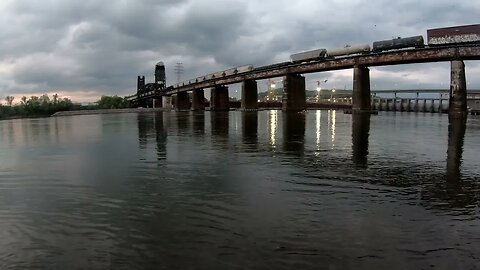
(83, 49)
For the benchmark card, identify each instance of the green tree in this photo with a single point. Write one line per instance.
(111, 102)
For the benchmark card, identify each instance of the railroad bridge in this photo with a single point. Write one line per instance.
(294, 98)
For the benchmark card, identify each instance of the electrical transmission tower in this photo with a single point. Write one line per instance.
(179, 71)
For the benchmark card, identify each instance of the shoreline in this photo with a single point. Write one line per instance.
(107, 111)
(135, 110)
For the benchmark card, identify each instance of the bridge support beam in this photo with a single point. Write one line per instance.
(249, 95)
(219, 98)
(294, 97)
(361, 89)
(183, 101)
(198, 100)
(458, 91)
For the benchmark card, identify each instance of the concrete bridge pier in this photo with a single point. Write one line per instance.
(249, 95)
(157, 102)
(219, 98)
(424, 105)
(458, 91)
(167, 102)
(294, 98)
(198, 100)
(361, 89)
(183, 101)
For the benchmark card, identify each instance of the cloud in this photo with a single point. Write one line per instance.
(99, 48)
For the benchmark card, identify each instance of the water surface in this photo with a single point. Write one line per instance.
(236, 190)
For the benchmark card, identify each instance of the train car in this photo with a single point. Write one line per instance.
(217, 75)
(229, 71)
(348, 50)
(398, 43)
(242, 69)
(454, 34)
(308, 56)
(274, 66)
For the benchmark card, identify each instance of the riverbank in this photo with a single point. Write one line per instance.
(107, 111)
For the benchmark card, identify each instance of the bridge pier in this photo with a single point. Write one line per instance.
(157, 102)
(361, 89)
(183, 101)
(294, 97)
(219, 98)
(198, 100)
(458, 91)
(167, 102)
(249, 95)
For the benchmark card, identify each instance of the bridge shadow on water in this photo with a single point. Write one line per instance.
(443, 191)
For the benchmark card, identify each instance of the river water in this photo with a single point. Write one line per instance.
(266, 190)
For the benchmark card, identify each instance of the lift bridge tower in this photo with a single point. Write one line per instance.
(160, 77)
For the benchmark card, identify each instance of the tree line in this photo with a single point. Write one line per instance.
(44, 105)
(35, 106)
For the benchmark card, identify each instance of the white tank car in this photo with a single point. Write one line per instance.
(347, 50)
(242, 69)
(229, 71)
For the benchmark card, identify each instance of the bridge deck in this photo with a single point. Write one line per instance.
(422, 55)
(397, 57)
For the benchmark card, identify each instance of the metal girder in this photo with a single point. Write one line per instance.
(423, 55)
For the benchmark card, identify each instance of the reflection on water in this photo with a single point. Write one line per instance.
(198, 123)
(219, 123)
(266, 190)
(318, 127)
(294, 133)
(360, 131)
(331, 116)
(250, 129)
(456, 135)
(272, 126)
(161, 135)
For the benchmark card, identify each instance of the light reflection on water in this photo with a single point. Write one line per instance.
(203, 190)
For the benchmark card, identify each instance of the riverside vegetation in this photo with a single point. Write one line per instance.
(45, 106)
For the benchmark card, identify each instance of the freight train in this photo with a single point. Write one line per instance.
(435, 37)
(217, 75)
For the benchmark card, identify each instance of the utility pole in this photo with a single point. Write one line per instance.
(179, 70)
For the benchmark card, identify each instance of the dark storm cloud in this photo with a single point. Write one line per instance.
(102, 46)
